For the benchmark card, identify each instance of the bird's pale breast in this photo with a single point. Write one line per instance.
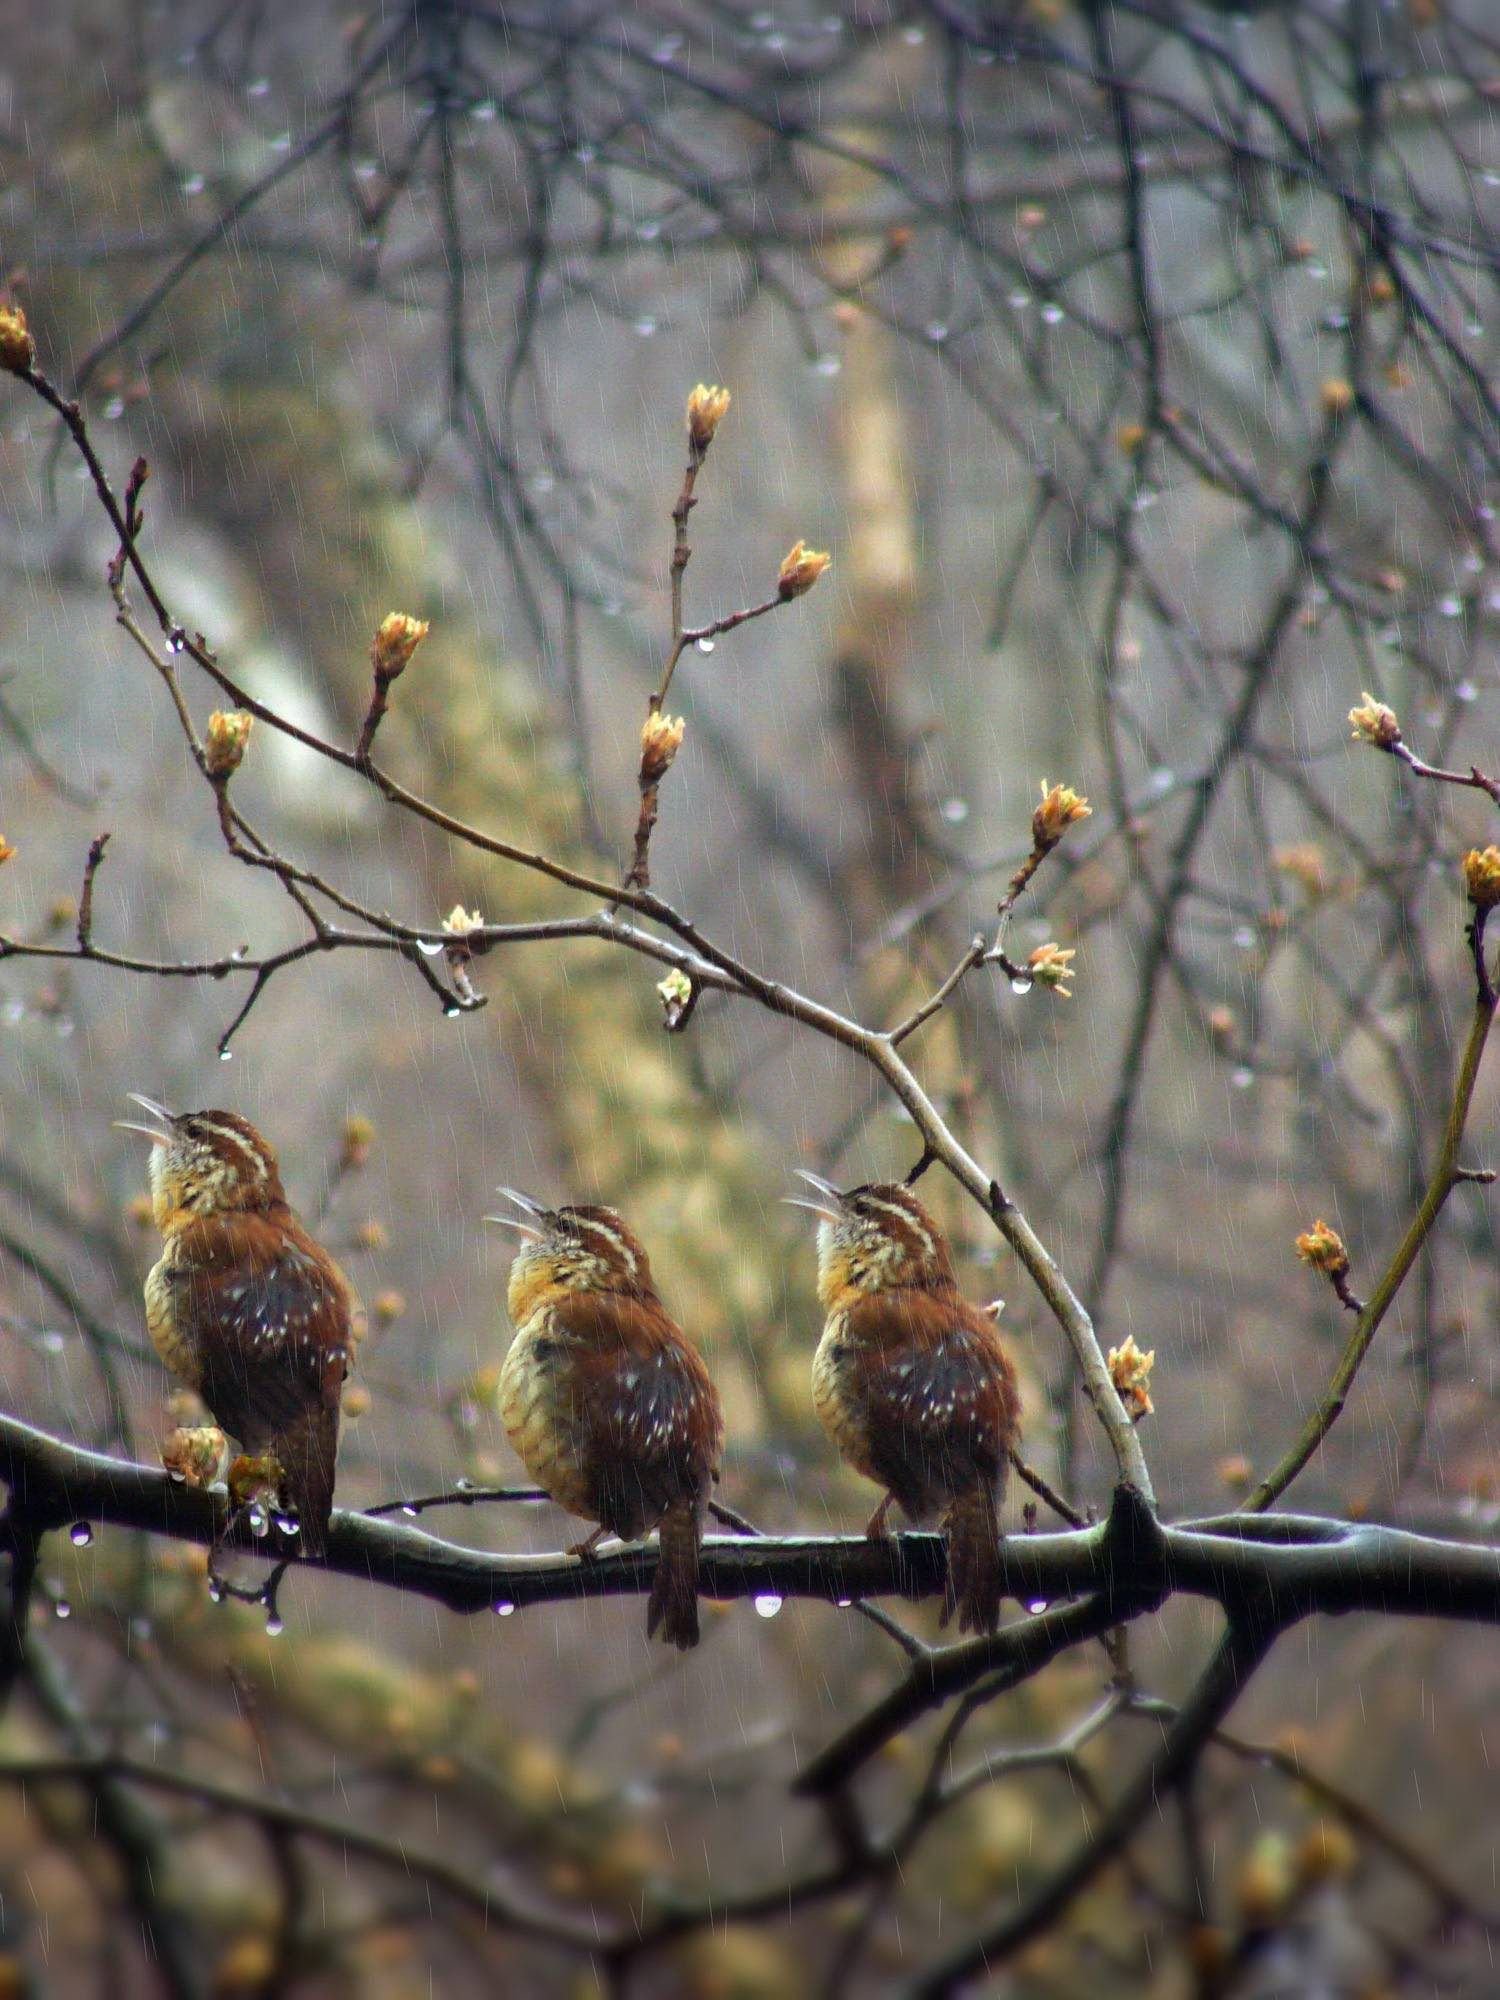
(164, 1322)
(835, 1398)
(537, 1401)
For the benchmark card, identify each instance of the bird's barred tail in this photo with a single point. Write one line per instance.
(972, 1529)
(673, 1605)
(307, 1449)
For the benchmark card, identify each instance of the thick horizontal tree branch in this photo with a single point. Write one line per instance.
(1295, 1565)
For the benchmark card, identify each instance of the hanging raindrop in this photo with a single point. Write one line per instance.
(80, 1534)
(767, 1604)
(502, 1607)
(275, 1626)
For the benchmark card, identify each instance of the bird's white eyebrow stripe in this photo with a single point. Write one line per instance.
(908, 1215)
(583, 1223)
(236, 1138)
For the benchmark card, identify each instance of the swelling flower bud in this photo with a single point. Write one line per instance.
(1061, 808)
(800, 569)
(460, 923)
(676, 992)
(354, 1146)
(1051, 965)
(17, 348)
(1130, 1371)
(1482, 877)
(196, 1455)
(706, 409)
(1323, 1248)
(397, 637)
(256, 1480)
(224, 743)
(661, 739)
(1375, 724)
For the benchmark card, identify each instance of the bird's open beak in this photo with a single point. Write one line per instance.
(159, 1134)
(522, 1224)
(830, 1207)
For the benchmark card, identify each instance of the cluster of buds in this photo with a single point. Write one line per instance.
(1304, 864)
(1323, 1249)
(1130, 1371)
(196, 1455)
(1052, 965)
(676, 992)
(1336, 395)
(255, 1480)
(706, 409)
(17, 348)
(397, 637)
(1061, 807)
(1373, 723)
(461, 923)
(1482, 877)
(661, 739)
(800, 569)
(224, 741)
(1266, 1882)
(355, 1143)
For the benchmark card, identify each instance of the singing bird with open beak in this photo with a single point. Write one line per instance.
(243, 1306)
(912, 1382)
(606, 1403)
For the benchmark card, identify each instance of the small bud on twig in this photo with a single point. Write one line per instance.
(7, 850)
(1336, 395)
(196, 1455)
(676, 992)
(224, 742)
(800, 569)
(1130, 1371)
(661, 739)
(706, 409)
(1323, 1249)
(1375, 724)
(354, 1146)
(459, 922)
(1051, 965)
(1061, 808)
(1481, 867)
(1325, 1853)
(397, 637)
(1303, 862)
(255, 1480)
(17, 348)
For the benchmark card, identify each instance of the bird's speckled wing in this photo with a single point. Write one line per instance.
(648, 1414)
(271, 1313)
(933, 1393)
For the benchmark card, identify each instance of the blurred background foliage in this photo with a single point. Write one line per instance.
(1136, 364)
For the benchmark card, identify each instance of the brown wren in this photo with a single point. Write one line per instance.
(243, 1306)
(912, 1383)
(607, 1405)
